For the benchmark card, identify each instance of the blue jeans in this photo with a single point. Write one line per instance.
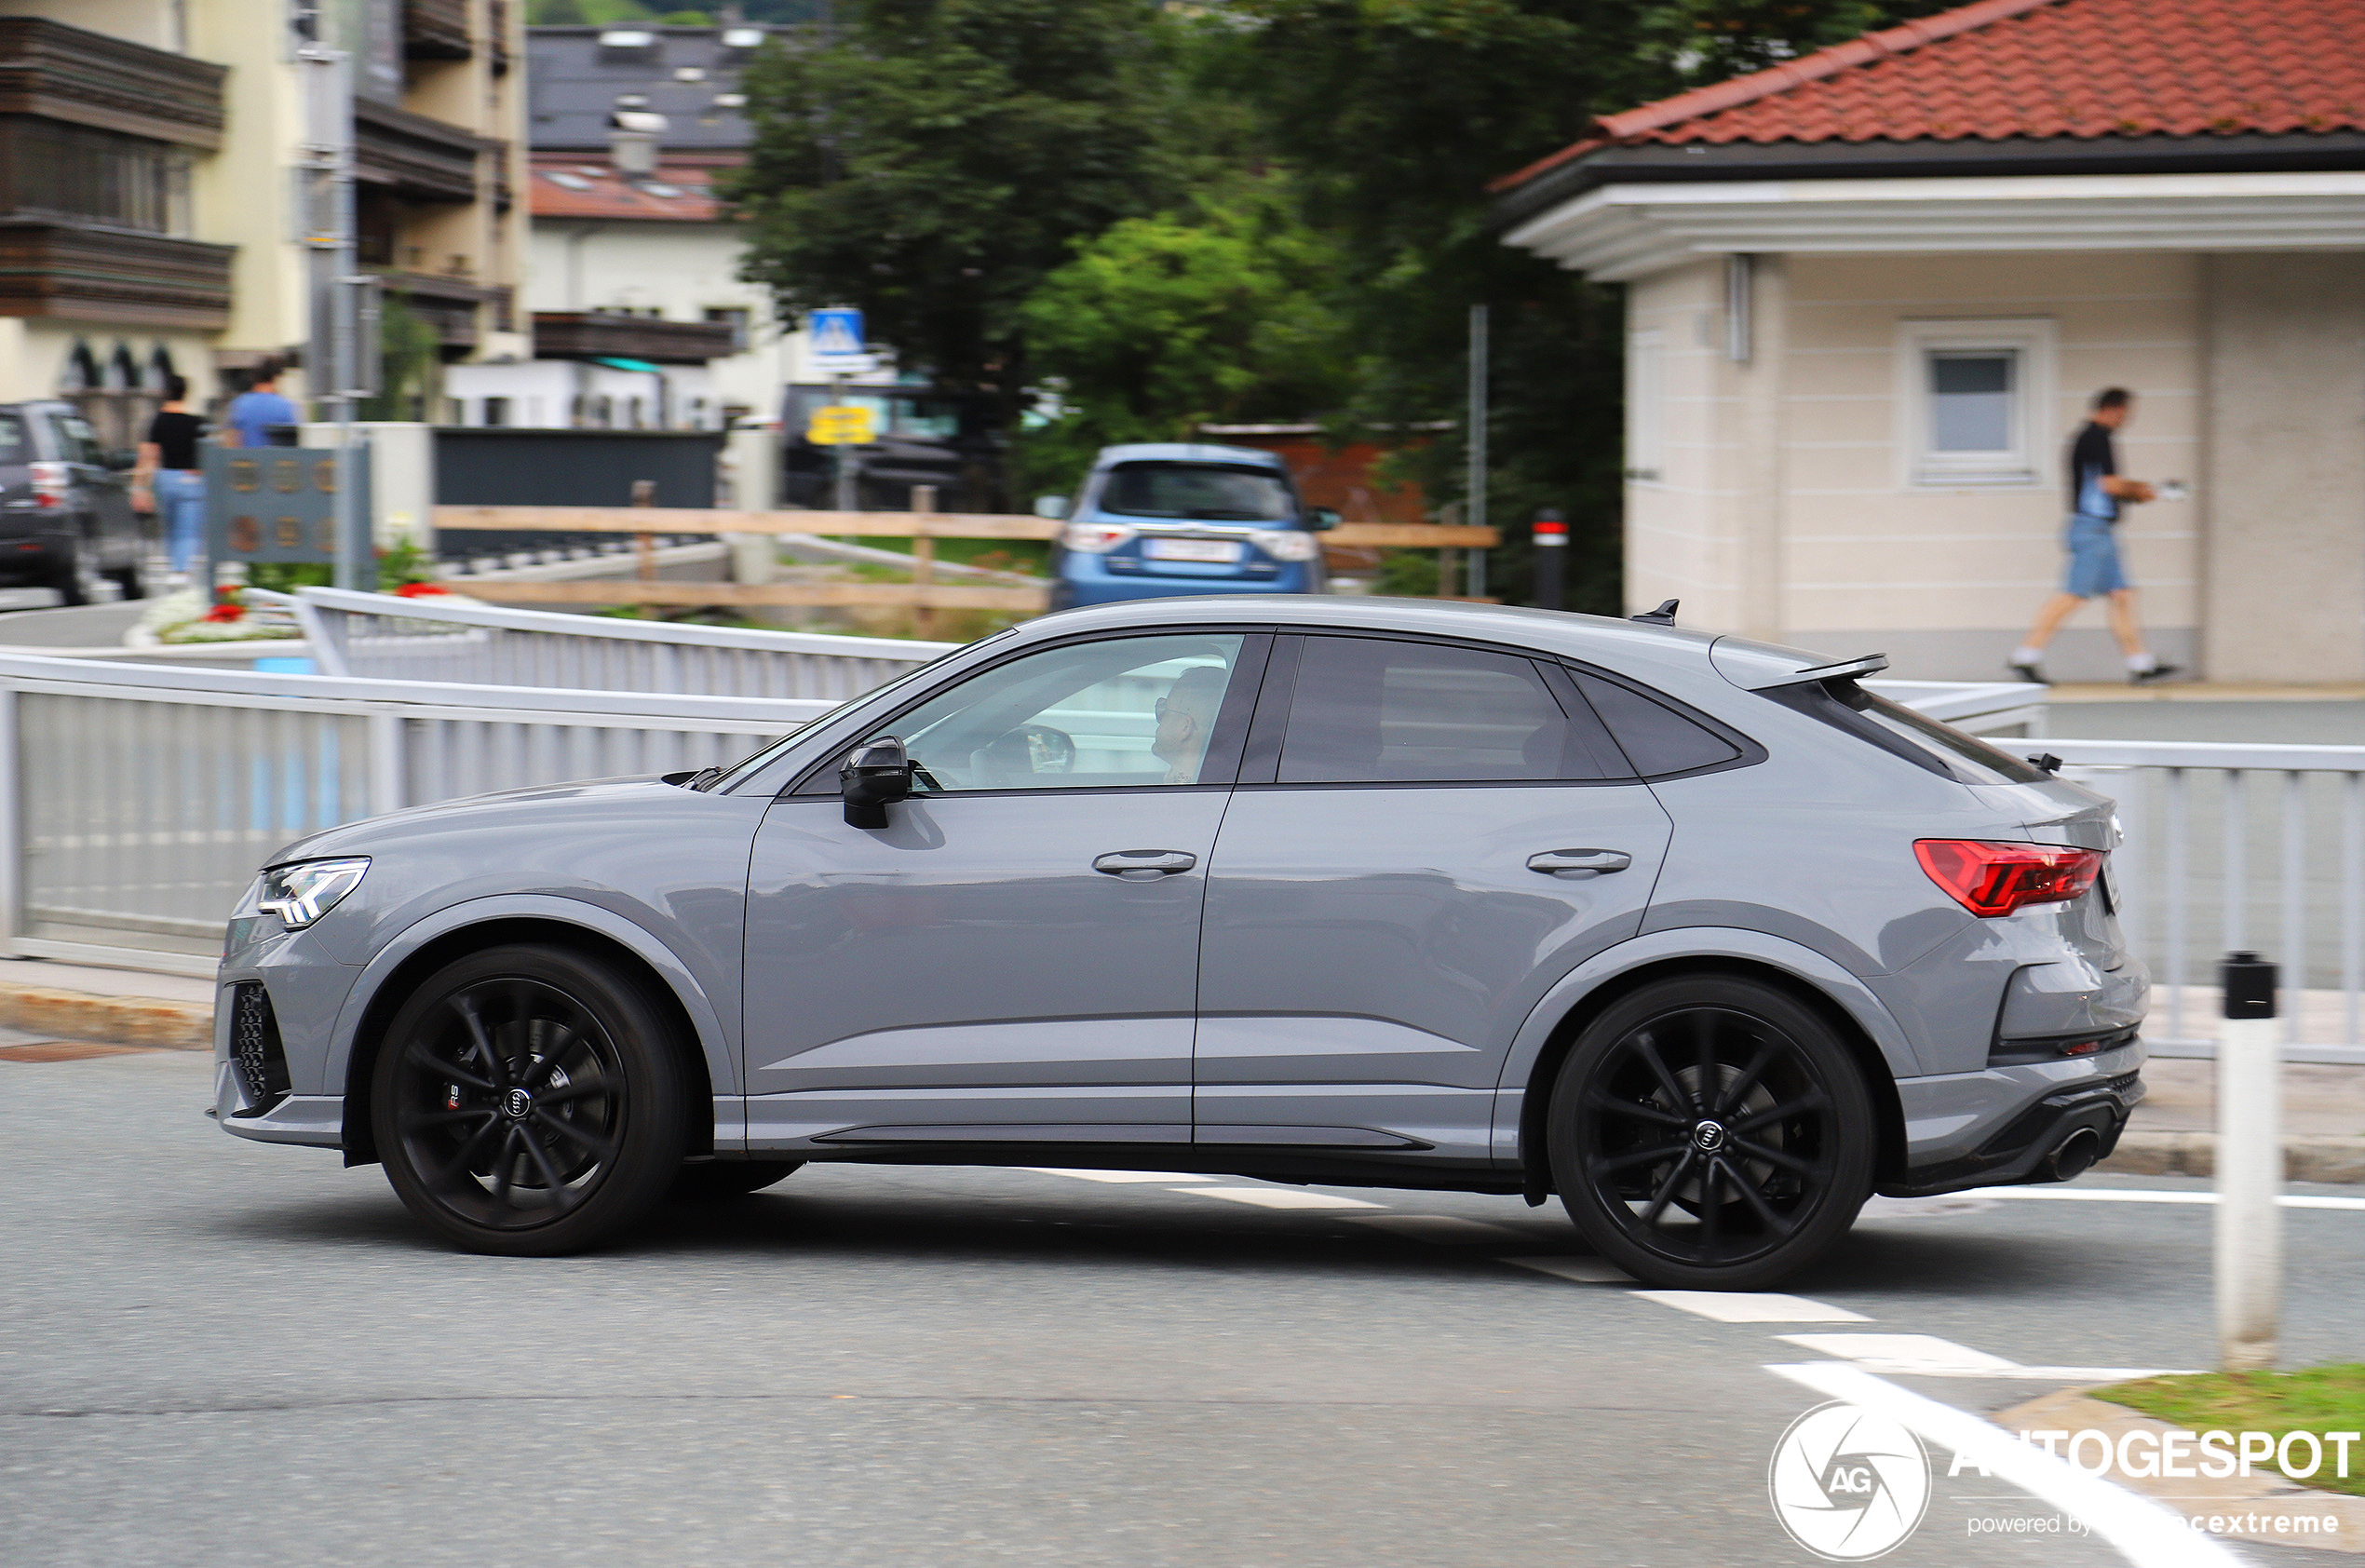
(180, 501)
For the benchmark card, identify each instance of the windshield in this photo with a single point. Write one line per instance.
(1198, 491)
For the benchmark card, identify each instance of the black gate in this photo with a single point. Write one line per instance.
(477, 467)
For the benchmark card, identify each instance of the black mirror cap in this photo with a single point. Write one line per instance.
(876, 774)
(1321, 519)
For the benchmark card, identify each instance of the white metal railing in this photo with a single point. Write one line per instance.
(446, 638)
(137, 801)
(1989, 707)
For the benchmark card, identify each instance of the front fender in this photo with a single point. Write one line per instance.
(1803, 963)
(715, 1019)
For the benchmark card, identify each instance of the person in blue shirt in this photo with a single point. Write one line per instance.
(254, 411)
(2096, 493)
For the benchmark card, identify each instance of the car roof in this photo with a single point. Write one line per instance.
(1187, 452)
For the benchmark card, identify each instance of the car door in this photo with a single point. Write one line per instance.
(1425, 837)
(1015, 955)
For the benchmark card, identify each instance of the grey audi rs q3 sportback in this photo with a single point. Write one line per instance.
(1697, 933)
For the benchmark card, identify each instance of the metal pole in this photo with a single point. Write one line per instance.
(333, 365)
(845, 457)
(1550, 539)
(2249, 1168)
(1475, 512)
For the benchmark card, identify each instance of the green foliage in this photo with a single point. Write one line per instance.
(935, 159)
(1704, 41)
(410, 363)
(1160, 325)
(2317, 1400)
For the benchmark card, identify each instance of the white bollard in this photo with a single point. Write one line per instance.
(2250, 1168)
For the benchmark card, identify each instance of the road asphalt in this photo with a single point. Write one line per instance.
(220, 1352)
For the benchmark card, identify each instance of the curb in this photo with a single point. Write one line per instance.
(124, 1020)
(2194, 1154)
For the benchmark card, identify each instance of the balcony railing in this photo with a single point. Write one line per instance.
(435, 29)
(419, 157)
(451, 305)
(55, 72)
(570, 334)
(86, 272)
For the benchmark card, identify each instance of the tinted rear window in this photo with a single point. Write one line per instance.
(1895, 728)
(1657, 739)
(14, 446)
(1202, 493)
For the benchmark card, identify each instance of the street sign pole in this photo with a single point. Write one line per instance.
(1550, 539)
(843, 453)
(332, 360)
(1474, 513)
(838, 348)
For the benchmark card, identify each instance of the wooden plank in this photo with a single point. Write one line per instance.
(892, 525)
(623, 591)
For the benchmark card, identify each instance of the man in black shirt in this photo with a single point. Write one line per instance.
(170, 478)
(2095, 493)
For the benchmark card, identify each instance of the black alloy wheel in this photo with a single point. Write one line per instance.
(528, 1101)
(1709, 1132)
(719, 1181)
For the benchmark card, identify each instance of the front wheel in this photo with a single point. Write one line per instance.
(1709, 1132)
(528, 1101)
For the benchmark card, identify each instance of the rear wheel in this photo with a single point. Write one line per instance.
(528, 1101)
(76, 577)
(129, 579)
(1709, 1132)
(719, 1181)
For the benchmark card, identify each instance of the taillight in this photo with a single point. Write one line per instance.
(51, 481)
(1095, 538)
(1995, 879)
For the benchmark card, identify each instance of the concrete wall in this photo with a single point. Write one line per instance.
(1788, 506)
(2285, 481)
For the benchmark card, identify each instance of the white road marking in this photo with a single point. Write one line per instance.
(2136, 1195)
(1585, 1271)
(1446, 1230)
(1928, 1355)
(1124, 1176)
(1280, 1198)
(2145, 1532)
(1754, 1307)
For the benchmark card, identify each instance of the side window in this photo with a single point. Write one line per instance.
(1656, 737)
(1383, 710)
(1129, 710)
(76, 441)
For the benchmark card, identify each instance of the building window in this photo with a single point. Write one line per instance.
(735, 317)
(1974, 394)
(1645, 406)
(496, 411)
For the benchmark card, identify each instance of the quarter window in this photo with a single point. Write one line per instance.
(1133, 710)
(1383, 710)
(1657, 739)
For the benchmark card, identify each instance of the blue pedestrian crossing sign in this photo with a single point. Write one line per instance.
(834, 336)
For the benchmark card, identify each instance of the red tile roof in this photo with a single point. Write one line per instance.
(2035, 69)
(584, 187)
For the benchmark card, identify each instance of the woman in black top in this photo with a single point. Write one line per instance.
(168, 479)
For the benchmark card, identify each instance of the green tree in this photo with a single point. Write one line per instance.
(1221, 313)
(931, 160)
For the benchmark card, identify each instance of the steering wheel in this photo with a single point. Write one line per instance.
(1030, 751)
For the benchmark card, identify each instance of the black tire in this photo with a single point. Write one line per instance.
(530, 1102)
(74, 579)
(719, 1181)
(129, 579)
(1733, 1189)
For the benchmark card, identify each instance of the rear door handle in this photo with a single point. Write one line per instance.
(1576, 863)
(1145, 865)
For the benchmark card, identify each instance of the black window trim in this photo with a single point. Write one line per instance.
(818, 779)
(1261, 768)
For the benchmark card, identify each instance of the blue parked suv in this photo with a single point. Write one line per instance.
(1170, 517)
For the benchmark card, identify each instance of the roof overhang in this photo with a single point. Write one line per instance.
(1621, 231)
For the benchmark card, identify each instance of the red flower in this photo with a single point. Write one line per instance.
(225, 611)
(419, 590)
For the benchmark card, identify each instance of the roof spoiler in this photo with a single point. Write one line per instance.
(1868, 664)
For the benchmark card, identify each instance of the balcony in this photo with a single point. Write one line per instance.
(88, 272)
(450, 305)
(54, 71)
(434, 29)
(416, 156)
(574, 334)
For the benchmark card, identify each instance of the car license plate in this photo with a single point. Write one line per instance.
(1190, 549)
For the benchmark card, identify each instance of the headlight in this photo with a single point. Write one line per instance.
(301, 893)
(1095, 538)
(1288, 544)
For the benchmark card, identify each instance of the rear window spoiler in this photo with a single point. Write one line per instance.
(1868, 664)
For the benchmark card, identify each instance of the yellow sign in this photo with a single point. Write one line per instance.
(843, 425)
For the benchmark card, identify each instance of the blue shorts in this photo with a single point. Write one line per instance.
(2093, 558)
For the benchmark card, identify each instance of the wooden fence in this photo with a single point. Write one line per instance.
(923, 528)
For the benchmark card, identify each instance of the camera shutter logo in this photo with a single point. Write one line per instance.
(1848, 1485)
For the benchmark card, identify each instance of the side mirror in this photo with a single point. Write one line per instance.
(876, 774)
(1054, 507)
(1322, 519)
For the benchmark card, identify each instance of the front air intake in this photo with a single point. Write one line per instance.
(254, 1047)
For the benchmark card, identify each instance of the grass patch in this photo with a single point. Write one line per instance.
(2319, 1399)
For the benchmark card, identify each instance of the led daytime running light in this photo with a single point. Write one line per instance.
(301, 893)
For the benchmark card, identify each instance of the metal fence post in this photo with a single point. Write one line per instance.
(2250, 1168)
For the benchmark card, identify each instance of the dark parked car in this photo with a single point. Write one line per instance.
(924, 437)
(65, 505)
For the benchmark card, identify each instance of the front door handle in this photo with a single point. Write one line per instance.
(1145, 865)
(1577, 863)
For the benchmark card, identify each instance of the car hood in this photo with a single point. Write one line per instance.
(357, 838)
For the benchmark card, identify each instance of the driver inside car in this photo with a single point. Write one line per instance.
(1186, 716)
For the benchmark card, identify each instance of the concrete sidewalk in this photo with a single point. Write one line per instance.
(121, 1007)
